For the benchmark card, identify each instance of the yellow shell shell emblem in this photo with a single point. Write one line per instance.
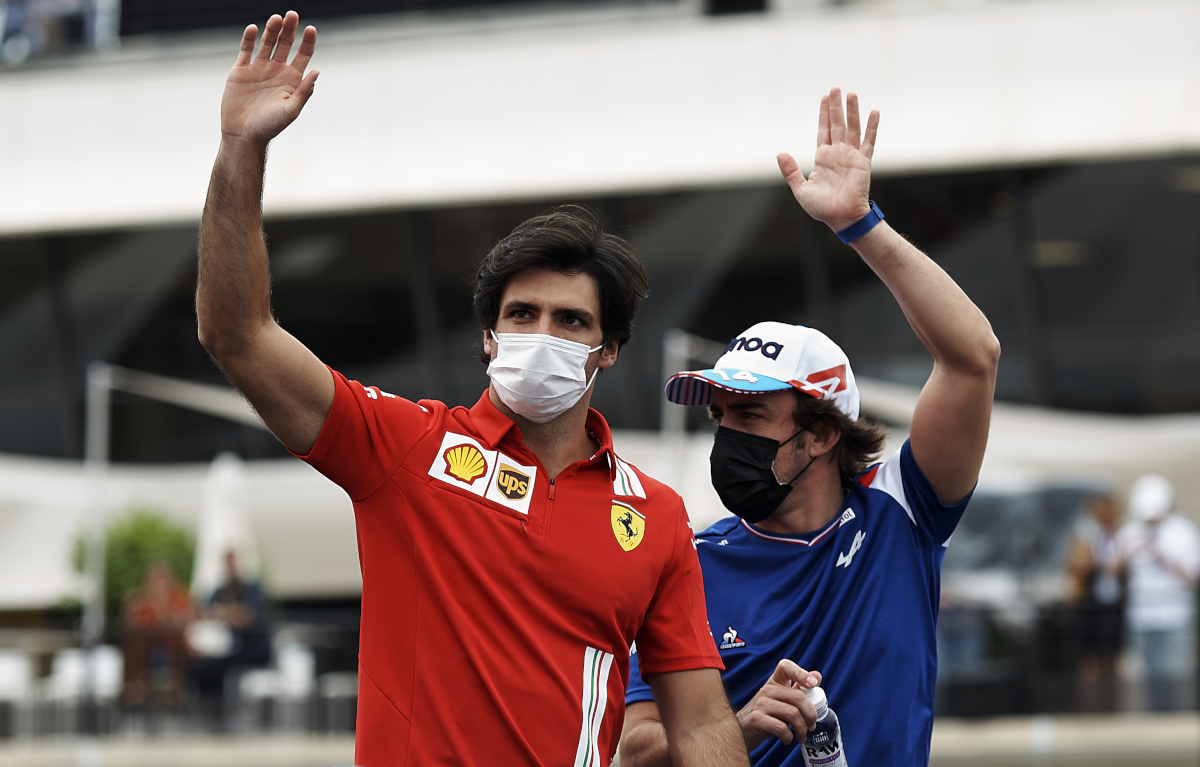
(628, 526)
(465, 463)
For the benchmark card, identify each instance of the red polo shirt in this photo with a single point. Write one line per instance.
(499, 604)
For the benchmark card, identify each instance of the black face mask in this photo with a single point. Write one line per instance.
(743, 473)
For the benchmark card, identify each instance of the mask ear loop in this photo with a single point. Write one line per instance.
(595, 372)
(803, 429)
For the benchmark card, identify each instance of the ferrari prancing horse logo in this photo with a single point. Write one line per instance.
(628, 525)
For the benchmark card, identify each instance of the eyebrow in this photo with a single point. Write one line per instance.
(736, 407)
(746, 405)
(562, 311)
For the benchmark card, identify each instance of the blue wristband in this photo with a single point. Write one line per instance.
(862, 226)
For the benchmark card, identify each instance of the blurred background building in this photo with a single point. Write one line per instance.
(1046, 153)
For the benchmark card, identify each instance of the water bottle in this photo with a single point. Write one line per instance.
(823, 747)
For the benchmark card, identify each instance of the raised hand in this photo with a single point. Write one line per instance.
(780, 709)
(264, 94)
(836, 191)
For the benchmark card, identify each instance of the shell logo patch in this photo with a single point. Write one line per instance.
(514, 484)
(628, 526)
(465, 463)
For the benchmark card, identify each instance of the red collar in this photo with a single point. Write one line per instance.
(492, 426)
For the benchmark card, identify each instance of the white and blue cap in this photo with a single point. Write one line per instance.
(773, 356)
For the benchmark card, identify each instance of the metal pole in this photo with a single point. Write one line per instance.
(676, 354)
(99, 395)
(106, 24)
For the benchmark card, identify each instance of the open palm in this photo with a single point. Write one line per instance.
(836, 191)
(264, 94)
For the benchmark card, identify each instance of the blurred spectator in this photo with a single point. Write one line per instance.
(33, 28)
(1098, 592)
(239, 608)
(156, 655)
(1161, 552)
(962, 635)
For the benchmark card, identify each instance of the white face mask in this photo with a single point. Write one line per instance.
(540, 377)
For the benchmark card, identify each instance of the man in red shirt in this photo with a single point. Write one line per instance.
(509, 557)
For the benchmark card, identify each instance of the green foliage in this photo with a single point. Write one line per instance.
(134, 542)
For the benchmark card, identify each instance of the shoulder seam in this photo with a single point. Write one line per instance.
(404, 458)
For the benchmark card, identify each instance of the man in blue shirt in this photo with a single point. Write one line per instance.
(830, 572)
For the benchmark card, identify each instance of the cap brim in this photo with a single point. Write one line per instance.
(695, 387)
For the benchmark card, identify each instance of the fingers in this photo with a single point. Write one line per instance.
(308, 44)
(270, 35)
(868, 144)
(786, 672)
(778, 719)
(287, 35)
(823, 123)
(790, 170)
(306, 87)
(837, 119)
(808, 712)
(853, 130)
(247, 47)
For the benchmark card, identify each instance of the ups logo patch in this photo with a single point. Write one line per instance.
(513, 484)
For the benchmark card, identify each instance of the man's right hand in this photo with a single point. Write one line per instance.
(284, 381)
(780, 709)
(263, 93)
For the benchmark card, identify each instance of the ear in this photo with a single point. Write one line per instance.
(825, 435)
(487, 342)
(608, 355)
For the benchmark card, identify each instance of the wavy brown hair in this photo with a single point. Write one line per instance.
(861, 441)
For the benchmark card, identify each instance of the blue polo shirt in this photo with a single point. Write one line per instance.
(856, 600)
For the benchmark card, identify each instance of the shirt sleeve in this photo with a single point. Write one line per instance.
(637, 690)
(1184, 547)
(366, 436)
(901, 478)
(675, 634)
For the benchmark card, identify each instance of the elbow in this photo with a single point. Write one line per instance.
(205, 337)
(990, 353)
(980, 359)
(225, 339)
(209, 338)
(215, 342)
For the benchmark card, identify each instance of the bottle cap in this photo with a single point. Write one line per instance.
(816, 696)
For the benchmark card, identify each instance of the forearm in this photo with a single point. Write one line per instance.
(233, 287)
(951, 327)
(718, 744)
(645, 746)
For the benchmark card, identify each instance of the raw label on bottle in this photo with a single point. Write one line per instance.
(823, 748)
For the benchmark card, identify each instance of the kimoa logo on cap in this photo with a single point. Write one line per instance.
(769, 349)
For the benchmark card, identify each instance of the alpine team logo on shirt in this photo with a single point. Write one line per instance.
(465, 463)
(730, 640)
(628, 526)
(844, 559)
(512, 483)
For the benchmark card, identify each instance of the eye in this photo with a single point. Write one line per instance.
(574, 322)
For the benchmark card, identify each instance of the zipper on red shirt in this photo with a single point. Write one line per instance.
(552, 488)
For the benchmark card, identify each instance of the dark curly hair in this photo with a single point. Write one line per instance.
(568, 239)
